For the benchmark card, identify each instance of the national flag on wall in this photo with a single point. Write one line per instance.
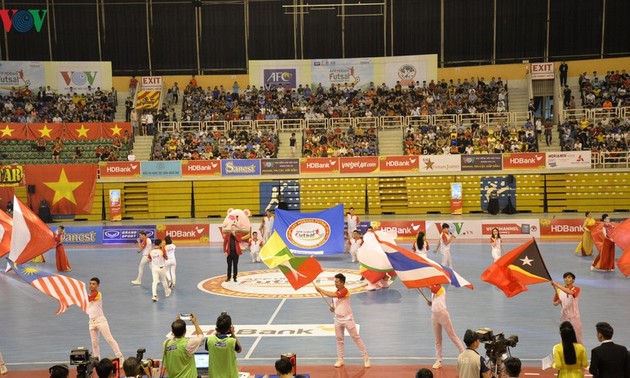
(621, 236)
(14, 131)
(68, 188)
(111, 130)
(301, 271)
(6, 227)
(66, 290)
(275, 252)
(518, 268)
(83, 131)
(48, 131)
(30, 237)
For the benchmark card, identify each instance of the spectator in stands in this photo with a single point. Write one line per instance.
(77, 154)
(40, 146)
(133, 84)
(56, 152)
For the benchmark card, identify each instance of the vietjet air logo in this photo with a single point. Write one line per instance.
(272, 284)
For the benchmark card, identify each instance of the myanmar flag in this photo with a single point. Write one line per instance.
(275, 252)
(301, 271)
(518, 268)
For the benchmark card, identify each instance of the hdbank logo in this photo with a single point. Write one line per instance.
(23, 21)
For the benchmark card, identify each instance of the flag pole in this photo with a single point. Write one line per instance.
(545, 266)
(322, 295)
(425, 297)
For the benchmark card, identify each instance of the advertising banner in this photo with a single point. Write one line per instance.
(440, 163)
(514, 228)
(406, 73)
(201, 168)
(569, 159)
(319, 165)
(457, 204)
(409, 163)
(21, 75)
(280, 77)
(160, 169)
(562, 227)
(280, 166)
(126, 234)
(76, 77)
(239, 167)
(115, 205)
(11, 175)
(482, 229)
(357, 73)
(316, 233)
(525, 160)
(189, 233)
(363, 164)
(405, 229)
(89, 235)
(481, 162)
(118, 169)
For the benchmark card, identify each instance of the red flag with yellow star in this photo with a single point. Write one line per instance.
(48, 131)
(83, 131)
(68, 189)
(16, 131)
(112, 130)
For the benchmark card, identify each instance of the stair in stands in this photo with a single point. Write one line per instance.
(142, 147)
(390, 142)
(135, 200)
(284, 149)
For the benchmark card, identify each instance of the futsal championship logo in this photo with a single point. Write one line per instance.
(308, 233)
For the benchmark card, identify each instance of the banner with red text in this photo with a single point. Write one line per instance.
(189, 233)
(409, 163)
(201, 168)
(363, 164)
(525, 160)
(319, 165)
(562, 227)
(119, 169)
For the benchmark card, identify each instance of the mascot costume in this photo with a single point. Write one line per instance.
(237, 220)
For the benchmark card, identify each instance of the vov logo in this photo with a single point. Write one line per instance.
(79, 78)
(23, 20)
(456, 227)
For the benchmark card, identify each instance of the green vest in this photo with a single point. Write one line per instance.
(179, 364)
(222, 357)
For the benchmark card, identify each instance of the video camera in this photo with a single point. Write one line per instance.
(147, 364)
(496, 345)
(84, 361)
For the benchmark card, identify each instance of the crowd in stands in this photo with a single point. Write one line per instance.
(48, 106)
(613, 90)
(608, 136)
(474, 139)
(330, 142)
(255, 144)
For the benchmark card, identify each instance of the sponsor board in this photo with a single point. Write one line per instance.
(273, 330)
(11, 175)
(481, 162)
(356, 73)
(272, 284)
(440, 163)
(88, 235)
(190, 233)
(561, 227)
(21, 75)
(280, 77)
(78, 76)
(404, 229)
(119, 169)
(240, 167)
(525, 160)
(409, 163)
(280, 166)
(482, 229)
(201, 168)
(161, 169)
(319, 165)
(126, 234)
(364, 164)
(569, 159)
(512, 228)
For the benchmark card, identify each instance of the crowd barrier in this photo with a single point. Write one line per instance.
(595, 115)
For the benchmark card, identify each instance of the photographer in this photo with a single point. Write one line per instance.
(178, 352)
(134, 369)
(221, 347)
(105, 368)
(469, 363)
(59, 371)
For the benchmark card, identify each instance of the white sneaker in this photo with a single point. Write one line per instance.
(437, 365)
(366, 362)
(168, 293)
(136, 282)
(155, 298)
(339, 363)
(3, 369)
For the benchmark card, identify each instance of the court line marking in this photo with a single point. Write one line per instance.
(273, 316)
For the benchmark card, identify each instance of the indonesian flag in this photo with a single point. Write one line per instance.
(30, 236)
(6, 225)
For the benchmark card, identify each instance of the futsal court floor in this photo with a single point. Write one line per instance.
(395, 323)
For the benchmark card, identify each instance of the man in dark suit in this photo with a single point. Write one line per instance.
(609, 360)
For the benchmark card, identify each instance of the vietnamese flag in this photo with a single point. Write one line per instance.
(83, 131)
(301, 271)
(14, 131)
(48, 131)
(111, 130)
(68, 188)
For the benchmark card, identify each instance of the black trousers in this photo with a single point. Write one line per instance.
(232, 263)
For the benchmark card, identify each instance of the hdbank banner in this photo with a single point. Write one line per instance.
(280, 77)
(524, 160)
(569, 159)
(482, 229)
(78, 76)
(354, 72)
(152, 169)
(407, 163)
(189, 233)
(91, 235)
(403, 228)
(318, 233)
(126, 234)
(201, 168)
(21, 75)
(562, 227)
(119, 169)
(440, 163)
(241, 167)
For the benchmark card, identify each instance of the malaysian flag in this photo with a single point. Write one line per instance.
(66, 290)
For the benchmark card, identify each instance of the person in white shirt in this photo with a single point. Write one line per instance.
(171, 263)
(254, 247)
(444, 245)
(421, 245)
(353, 221)
(266, 227)
(158, 258)
(441, 320)
(145, 245)
(355, 244)
(98, 322)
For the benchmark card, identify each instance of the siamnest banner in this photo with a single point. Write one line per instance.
(318, 233)
(482, 229)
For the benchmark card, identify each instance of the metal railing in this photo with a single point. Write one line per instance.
(610, 160)
(596, 114)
